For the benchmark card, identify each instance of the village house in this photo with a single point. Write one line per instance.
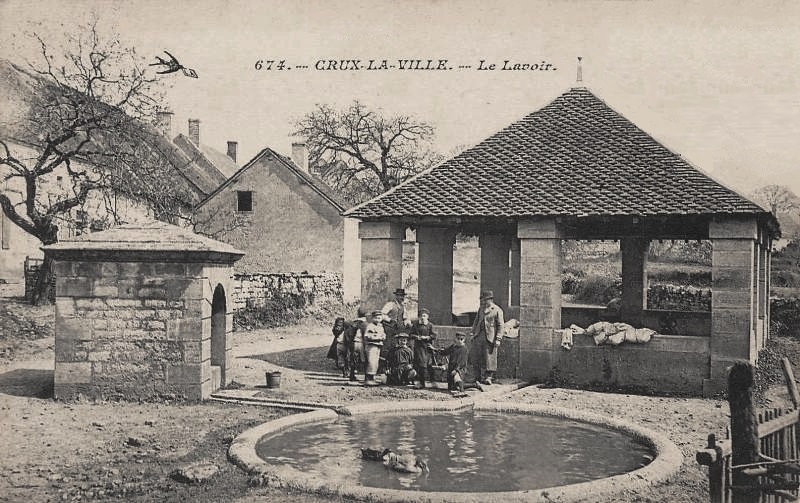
(286, 220)
(198, 167)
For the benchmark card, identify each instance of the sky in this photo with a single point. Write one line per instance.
(716, 81)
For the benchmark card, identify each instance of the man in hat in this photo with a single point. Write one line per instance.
(422, 336)
(487, 332)
(395, 319)
(401, 369)
(374, 337)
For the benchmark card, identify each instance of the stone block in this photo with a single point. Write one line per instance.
(184, 288)
(737, 258)
(733, 226)
(65, 307)
(169, 269)
(99, 356)
(382, 251)
(128, 288)
(185, 374)
(74, 287)
(152, 293)
(540, 317)
(731, 298)
(63, 268)
(380, 230)
(65, 350)
(730, 320)
(540, 294)
(534, 366)
(73, 373)
(730, 346)
(538, 228)
(731, 277)
(74, 328)
(192, 351)
(92, 270)
(195, 270)
(187, 329)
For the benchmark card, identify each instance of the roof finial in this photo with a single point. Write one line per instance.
(580, 71)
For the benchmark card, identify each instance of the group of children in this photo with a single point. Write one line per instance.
(404, 353)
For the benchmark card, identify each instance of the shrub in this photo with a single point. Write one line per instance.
(281, 310)
(784, 315)
(596, 289)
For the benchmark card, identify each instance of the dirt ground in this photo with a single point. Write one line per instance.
(55, 451)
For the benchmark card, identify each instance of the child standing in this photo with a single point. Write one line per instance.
(423, 336)
(357, 353)
(457, 364)
(374, 336)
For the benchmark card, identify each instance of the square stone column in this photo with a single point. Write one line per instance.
(733, 306)
(515, 268)
(540, 296)
(381, 261)
(634, 278)
(494, 266)
(436, 272)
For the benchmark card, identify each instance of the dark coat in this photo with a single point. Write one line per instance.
(457, 358)
(422, 335)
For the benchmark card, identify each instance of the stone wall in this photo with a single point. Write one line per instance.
(254, 290)
(130, 330)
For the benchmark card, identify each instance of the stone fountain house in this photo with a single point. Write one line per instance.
(576, 169)
(143, 311)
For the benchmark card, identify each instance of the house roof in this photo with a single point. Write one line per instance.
(159, 237)
(575, 156)
(315, 183)
(204, 173)
(203, 170)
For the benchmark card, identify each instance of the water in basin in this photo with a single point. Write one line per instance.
(466, 451)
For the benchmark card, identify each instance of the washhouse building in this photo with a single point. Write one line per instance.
(577, 169)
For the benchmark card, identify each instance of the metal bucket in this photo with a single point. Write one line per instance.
(273, 379)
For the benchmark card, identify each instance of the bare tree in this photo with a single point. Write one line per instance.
(777, 199)
(361, 153)
(85, 122)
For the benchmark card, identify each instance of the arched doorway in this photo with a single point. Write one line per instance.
(218, 313)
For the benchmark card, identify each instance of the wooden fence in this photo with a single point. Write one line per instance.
(758, 461)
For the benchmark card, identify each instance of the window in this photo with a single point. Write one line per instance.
(244, 200)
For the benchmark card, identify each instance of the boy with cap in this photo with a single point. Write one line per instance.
(401, 370)
(457, 363)
(487, 332)
(423, 336)
(357, 354)
(374, 337)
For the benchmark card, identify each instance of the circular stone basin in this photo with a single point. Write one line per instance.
(495, 451)
(466, 451)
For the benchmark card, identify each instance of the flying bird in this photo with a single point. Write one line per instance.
(172, 65)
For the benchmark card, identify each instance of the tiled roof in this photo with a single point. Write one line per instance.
(146, 236)
(575, 156)
(316, 184)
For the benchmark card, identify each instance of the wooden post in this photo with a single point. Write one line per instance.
(716, 485)
(744, 428)
(790, 383)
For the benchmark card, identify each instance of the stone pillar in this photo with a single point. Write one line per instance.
(436, 272)
(763, 297)
(381, 261)
(515, 265)
(732, 297)
(494, 266)
(767, 283)
(634, 278)
(540, 296)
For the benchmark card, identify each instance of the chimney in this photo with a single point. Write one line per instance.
(164, 122)
(194, 131)
(300, 155)
(232, 149)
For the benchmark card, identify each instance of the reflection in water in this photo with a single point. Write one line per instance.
(465, 451)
